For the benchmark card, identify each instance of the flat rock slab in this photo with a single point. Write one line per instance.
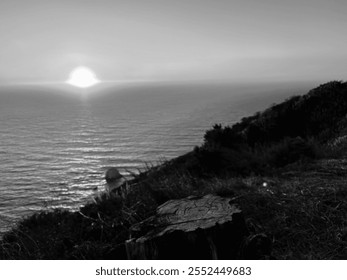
(208, 227)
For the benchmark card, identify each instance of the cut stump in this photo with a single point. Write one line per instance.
(208, 227)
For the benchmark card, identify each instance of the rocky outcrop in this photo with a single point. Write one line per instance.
(114, 180)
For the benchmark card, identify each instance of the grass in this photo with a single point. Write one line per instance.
(306, 220)
(303, 211)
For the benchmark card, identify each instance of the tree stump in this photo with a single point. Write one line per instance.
(208, 227)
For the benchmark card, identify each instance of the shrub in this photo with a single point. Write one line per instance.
(291, 150)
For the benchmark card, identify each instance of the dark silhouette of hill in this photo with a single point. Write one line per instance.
(297, 129)
(318, 115)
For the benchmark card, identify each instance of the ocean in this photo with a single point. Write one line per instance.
(56, 145)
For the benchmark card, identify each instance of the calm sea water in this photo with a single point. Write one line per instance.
(56, 147)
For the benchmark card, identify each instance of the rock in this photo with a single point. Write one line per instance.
(114, 179)
(208, 227)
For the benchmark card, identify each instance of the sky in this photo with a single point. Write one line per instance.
(131, 40)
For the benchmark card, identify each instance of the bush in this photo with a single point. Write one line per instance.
(291, 150)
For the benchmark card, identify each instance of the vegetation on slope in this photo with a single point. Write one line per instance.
(280, 166)
(298, 129)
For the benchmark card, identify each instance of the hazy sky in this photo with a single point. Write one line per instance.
(236, 40)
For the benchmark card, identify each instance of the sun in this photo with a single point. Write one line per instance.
(82, 77)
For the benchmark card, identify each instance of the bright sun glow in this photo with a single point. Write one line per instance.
(82, 77)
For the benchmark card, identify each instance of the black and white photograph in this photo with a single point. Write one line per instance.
(173, 130)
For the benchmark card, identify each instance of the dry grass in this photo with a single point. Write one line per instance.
(303, 210)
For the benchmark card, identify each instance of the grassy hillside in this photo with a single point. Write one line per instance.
(285, 167)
